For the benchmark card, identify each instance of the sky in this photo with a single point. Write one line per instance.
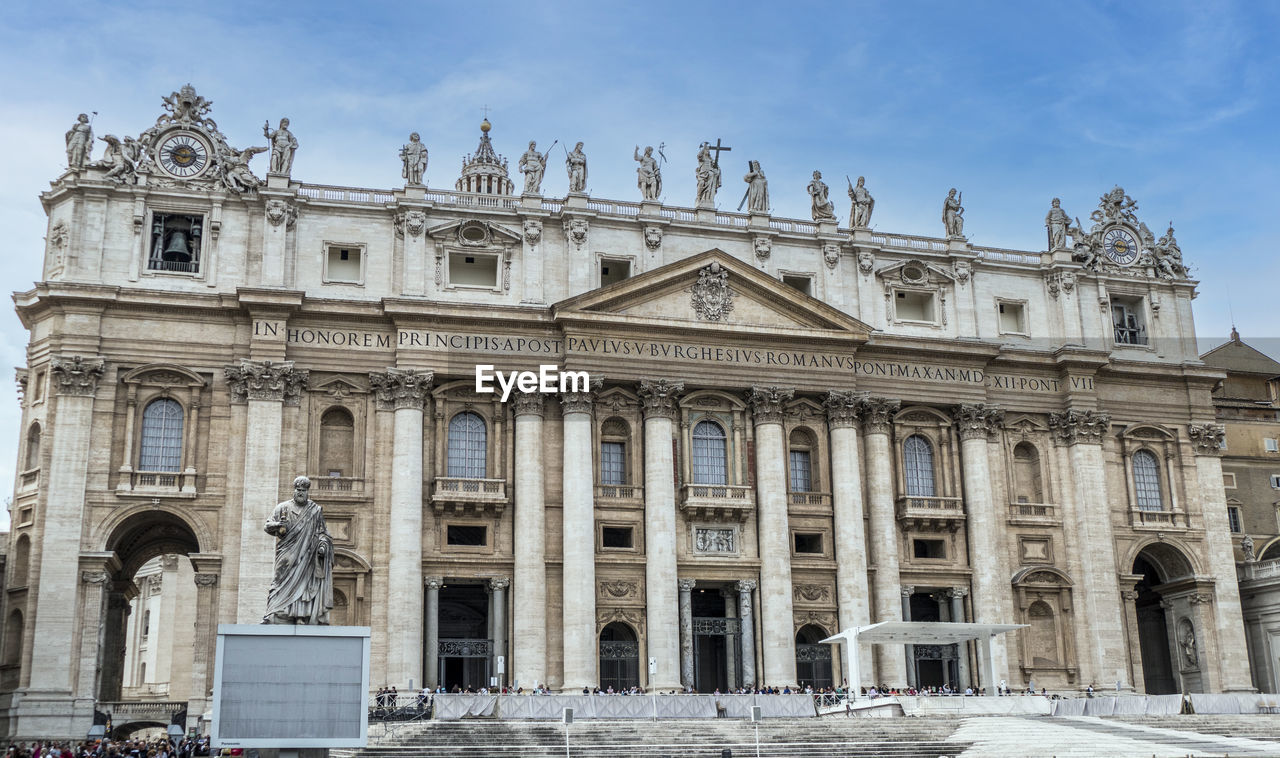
(1013, 103)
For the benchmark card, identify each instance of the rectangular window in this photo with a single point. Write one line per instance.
(1228, 480)
(801, 475)
(470, 270)
(613, 271)
(344, 264)
(1271, 445)
(467, 536)
(175, 242)
(802, 283)
(936, 549)
(914, 306)
(1012, 318)
(1275, 481)
(37, 393)
(1127, 319)
(617, 537)
(808, 543)
(1233, 518)
(613, 467)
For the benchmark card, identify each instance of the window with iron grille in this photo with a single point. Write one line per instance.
(801, 473)
(467, 446)
(1233, 518)
(709, 463)
(917, 457)
(1146, 481)
(161, 436)
(613, 467)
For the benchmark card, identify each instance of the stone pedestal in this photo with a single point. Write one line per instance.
(576, 200)
(277, 181)
(777, 629)
(529, 612)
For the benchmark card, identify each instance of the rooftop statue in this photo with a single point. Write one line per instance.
(532, 165)
(953, 215)
(576, 164)
(302, 588)
(757, 198)
(234, 166)
(120, 165)
(414, 156)
(708, 176)
(648, 174)
(79, 142)
(1057, 221)
(863, 204)
(283, 146)
(822, 207)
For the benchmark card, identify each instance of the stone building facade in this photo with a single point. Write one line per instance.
(790, 428)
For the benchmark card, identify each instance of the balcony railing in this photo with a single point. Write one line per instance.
(811, 499)
(619, 492)
(1035, 512)
(718, 502)
(475, 495)
(1141, 518)
(157, 482)
(931, 513)
(1259, 570)
(353, 485)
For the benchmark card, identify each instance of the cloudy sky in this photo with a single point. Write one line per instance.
(1014, 103)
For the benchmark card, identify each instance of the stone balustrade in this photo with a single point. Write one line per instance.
(718, 502)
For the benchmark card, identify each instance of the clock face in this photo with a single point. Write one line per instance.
(183, 155)
(1120, 246)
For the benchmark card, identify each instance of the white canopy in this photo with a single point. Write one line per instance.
(920, 633)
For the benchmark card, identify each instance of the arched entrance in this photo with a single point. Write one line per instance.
(619, 657)
(1164, 580)
(813, 659)
(157, 638)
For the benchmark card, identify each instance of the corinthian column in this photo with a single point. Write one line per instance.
(1232, 654)
(661, 625)
(852, 595)
(265, 386)
(404, 391)
(990, 582)
(777, 632)
(748, 620)
(579, 607)
(686, 631)
(1082, 432)
(529, 596)
(877, 422)
(75, 381)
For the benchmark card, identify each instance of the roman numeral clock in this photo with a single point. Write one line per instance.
(1120, 246)
(183, 155)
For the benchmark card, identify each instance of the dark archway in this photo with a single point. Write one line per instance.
(813, 659)
(619, 657)
(1157, 564)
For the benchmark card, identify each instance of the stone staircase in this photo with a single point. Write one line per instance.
(818, 738)
(1256, 726)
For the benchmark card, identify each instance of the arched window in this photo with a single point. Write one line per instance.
(467, 446)
(32, 459)
(146, 623)
(337, 442)
(1026, 474)
(1146, 481)
(21, 561)
(13, 637)
(613, 451)
(917, 457)
(800, 459)
(709, 463)
(1044, 634)
(161, 436)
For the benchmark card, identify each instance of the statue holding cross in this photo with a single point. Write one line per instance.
(708, 173)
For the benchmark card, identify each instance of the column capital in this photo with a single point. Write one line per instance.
(767, 402)
(687, 585)
(1072, 426)
(398, 388)
(206, 580)
(957, 592)
(499, 583)
(76, 375)
(432, 582)
(746, 586)
(658, 397)
(266, 380)
(1207, 439)
(876, 414)
(94, 577)
(1129, 595)
(978, 421)
(908, 590)
(842, 408)
(581, 402)
(527, 404)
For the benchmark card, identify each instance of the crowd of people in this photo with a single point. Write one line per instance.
(139, 748)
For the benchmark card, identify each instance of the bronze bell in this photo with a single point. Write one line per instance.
(177, 249)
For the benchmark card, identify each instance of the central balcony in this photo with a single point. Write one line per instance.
(460, 495)
(717, 502)
(1034, 514)
(931, 514)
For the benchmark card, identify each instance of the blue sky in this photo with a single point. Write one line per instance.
(1013, 103)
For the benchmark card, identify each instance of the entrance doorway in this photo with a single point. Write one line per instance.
(935, 665)
(716, 648)
(813, 659)
(619, 658)
(1153, 632)
(465, 649)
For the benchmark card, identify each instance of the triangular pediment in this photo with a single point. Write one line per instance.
(711, 289)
